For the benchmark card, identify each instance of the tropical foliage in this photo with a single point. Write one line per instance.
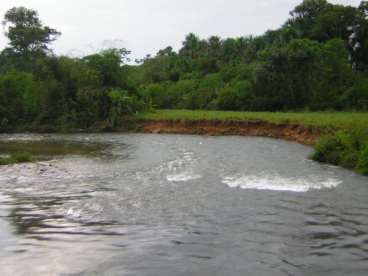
(40, 88)
(318, 60)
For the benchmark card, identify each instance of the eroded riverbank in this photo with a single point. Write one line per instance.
(297, 133)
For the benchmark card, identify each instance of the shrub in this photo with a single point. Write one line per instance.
(346, 150)
(5, 161)
(330, 149)
(21, 157)
(363, 160)
(15, 158)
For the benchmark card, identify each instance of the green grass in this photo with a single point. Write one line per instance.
(16, 158)
(344, 121)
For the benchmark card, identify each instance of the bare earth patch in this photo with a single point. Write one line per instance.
(301, 134)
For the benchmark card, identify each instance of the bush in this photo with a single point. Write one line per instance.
(346, 150)
(5, 161)
(21, 157)
(16, 158)
(363, 160)
(330, 149)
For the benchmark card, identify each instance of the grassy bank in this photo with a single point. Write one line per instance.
(344, 121)
(15, 159)
(344, 135)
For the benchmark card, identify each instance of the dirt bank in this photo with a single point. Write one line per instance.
(301, 134)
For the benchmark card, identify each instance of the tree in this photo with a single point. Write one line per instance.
(190, 46)
(18, 96)
(120, 104)
(157, 95)
(236, 96)
(358, 40)
(179, 93)
(305, 15)
(109, 64)
(335, 23)
(26, 33)
(206, 92)
(335, 76)
(310, 9)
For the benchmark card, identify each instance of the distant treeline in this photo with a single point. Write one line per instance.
(318, 60)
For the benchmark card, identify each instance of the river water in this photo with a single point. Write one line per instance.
(181, 205)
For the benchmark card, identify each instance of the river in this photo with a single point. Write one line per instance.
(181, 205)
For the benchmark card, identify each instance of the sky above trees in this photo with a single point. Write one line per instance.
(147, 26)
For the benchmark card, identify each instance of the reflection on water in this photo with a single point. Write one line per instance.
(49, 147)
(181, 205)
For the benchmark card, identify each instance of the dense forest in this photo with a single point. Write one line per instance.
(39, 88)
(318, 60)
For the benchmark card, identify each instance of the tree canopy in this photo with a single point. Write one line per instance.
(317, 60)
(314, 61)
(26, 33)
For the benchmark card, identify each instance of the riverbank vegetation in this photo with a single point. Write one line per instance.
(15, 159)
(325, 121)
(38, 88)
(349, 150)
(344, 135)
(317, 61)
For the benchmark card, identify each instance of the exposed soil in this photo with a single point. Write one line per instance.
(297, 133)
(292, 132)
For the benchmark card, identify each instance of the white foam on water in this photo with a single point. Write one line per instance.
(181, 169)
(74, 213)
(187, 158)
(279, 183)
(183, 177)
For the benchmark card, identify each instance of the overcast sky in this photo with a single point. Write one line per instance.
(145, 26)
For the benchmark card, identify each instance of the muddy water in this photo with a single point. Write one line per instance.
(181, 205)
